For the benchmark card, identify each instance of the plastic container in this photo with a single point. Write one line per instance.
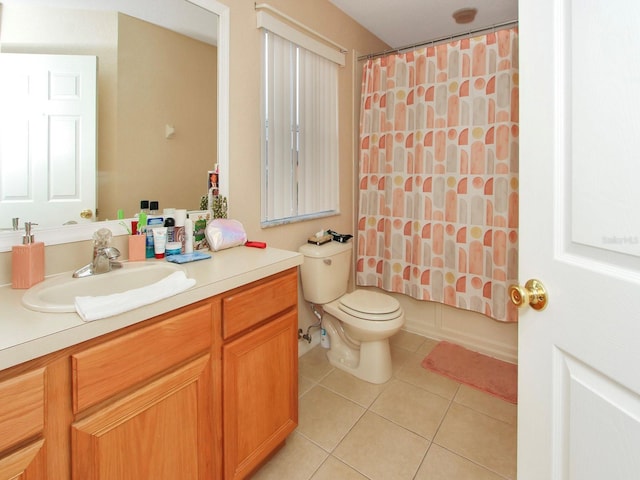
(137, 248)
(173, 248)
(325, 341)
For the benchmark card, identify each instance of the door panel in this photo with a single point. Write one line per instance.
(47, 137)
(603, 415)
(579, 392)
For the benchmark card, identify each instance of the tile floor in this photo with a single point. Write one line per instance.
(417, 426)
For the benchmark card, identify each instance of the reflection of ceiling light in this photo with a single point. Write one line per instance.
(465, 15)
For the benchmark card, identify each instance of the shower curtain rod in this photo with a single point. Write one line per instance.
(449, 38)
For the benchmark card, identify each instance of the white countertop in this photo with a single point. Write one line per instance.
(25, 334)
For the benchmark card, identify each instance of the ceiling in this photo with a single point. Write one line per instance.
(183, 17)
(409, 22)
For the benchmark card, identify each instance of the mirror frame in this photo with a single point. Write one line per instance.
(84, 231)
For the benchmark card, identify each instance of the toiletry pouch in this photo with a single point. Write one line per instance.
(224, 233)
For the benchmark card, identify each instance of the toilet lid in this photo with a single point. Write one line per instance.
(370, 305)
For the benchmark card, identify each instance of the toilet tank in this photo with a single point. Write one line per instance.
(325, 271)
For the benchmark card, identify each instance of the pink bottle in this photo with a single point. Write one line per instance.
(27, 259)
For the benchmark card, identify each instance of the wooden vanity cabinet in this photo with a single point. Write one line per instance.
(206, 392)
(259, 372)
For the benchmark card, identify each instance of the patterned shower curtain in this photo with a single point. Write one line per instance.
(438, 203)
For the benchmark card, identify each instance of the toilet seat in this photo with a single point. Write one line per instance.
(369, 305)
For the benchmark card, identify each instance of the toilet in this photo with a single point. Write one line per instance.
(358, 323)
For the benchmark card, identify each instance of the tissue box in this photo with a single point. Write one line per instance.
(319, 240)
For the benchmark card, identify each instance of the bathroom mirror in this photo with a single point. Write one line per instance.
(174, 171)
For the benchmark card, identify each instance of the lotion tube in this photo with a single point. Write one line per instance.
(159, 241)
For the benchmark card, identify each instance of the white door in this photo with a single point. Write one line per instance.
(579, 359)
(47, 138)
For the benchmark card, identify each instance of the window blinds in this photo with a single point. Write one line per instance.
(300, 132)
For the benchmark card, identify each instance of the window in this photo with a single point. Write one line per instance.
(299, 133)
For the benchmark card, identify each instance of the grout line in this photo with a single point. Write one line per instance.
(424, 458)
(313, 383)
(484, 467)
(446, 412)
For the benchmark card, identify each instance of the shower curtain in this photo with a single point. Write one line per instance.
(438, 201)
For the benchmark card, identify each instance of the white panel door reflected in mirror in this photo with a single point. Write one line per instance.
(48, 138)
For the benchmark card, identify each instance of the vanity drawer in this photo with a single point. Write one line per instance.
(246, 308)
(22, 408)
(116, 365)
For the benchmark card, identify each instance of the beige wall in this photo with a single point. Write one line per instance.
(164, 78)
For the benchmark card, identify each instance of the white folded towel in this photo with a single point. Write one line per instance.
(94, 308)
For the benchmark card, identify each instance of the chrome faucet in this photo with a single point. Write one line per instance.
(105, 260)
(104, 256)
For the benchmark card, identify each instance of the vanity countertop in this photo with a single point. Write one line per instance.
(25, 334)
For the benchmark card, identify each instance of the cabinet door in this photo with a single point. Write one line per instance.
(161, 431)
(22, 417)
(260, 385)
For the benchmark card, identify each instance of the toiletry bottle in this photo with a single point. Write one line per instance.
(159, 241)
(169, 215)
(27, 261)
(153, 221)
(178, 232)
(144, 206)
(325, 341)
(142, 223)
(188, 235)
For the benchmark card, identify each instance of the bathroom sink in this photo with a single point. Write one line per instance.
(57, 294)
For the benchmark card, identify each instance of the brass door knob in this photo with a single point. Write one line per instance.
(86, 213)
(533, 293)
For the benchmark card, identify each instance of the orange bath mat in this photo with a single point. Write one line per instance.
(479, 371)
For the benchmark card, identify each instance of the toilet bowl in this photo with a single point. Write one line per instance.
(359, 323)
(360, 338)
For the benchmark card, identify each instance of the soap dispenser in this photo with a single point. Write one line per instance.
(27, 260)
